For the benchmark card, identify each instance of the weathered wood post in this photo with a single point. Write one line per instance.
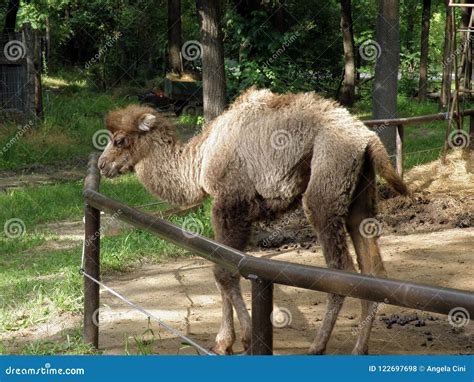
(262, 327)
(471, 132)
(399, 150)
(92, 258)
(33, 88)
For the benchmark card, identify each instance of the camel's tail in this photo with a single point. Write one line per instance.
(380, 160)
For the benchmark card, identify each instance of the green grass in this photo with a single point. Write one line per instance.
(422, 143)
(50, 203)
(73, 113)
(38, 282)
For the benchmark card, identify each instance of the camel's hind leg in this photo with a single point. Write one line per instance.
(231, 227)
(363, 207)
(325, 209)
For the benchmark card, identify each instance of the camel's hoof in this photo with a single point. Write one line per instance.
(220, 350)
(315, 351)
(364, 351)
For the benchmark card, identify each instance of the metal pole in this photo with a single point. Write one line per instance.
(262, 307)
(91, 260)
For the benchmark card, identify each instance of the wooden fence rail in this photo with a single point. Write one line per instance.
(263, 273)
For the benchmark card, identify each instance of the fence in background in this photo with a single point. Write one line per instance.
(377, 124)
(20, 73)
(263, 273)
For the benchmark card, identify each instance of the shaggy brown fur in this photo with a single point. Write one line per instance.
(264, 155)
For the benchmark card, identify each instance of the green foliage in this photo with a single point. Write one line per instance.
(297, 59)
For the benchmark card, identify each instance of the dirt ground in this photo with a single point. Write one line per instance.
(182, 293)
(426, 238)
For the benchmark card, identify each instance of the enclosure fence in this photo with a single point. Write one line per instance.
(20, 72)
(263, 273)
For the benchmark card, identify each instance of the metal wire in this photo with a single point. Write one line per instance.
(188, 340)
(194, 344)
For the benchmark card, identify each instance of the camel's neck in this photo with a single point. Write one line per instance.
(171, 171)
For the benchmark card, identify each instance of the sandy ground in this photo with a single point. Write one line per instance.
(182, 293)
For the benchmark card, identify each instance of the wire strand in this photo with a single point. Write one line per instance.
(191, 342)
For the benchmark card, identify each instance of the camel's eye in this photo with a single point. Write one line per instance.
(120, 142)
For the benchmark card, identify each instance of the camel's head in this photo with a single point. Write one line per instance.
(128, 129)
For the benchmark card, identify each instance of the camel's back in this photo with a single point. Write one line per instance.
(265, 140)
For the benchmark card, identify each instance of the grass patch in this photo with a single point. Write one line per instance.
(423, 142)
(38, 284)
(70, 344)
(51, 203)
(73, 112)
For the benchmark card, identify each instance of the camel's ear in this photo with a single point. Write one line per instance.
(146, 122)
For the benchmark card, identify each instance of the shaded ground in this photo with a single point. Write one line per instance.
(183, 294)
(39, 174)
(426, 238)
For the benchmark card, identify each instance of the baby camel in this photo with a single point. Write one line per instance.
(261, 157)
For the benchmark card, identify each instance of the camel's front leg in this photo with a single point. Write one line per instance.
(231, 227)
(226, 336)
(229, 285)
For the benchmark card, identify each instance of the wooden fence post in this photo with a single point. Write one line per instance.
(471, 132)
(399, 150)
(262, 327)
(92, 259)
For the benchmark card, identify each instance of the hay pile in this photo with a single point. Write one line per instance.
(456, 174)
(442, 197)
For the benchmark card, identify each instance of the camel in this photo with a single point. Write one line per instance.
(264, 155)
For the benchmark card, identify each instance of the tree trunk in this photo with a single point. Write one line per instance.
(174, 36)
(10, 17)
(447, 59)
(48, 41)
(410, 20)
(466, 62)
(213, 73)
(384, 101)
(348, 86)
(278, 17)
(424, 49)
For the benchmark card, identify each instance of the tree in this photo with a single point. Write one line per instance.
(348, 86)
(213, 73)
(424, 49)
(466, 63)
(10, 17)
(384, 99)
(174, 36)
(447, 59)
